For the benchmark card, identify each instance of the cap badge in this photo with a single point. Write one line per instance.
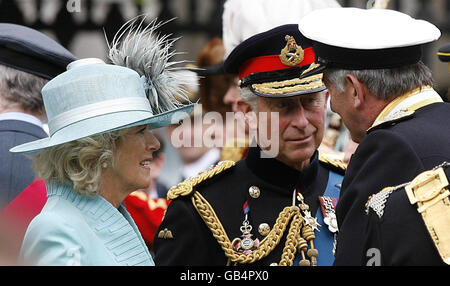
(292, 54)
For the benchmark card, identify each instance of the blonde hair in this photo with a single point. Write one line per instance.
(78, 163)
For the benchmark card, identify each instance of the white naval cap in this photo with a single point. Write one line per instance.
(354, 38)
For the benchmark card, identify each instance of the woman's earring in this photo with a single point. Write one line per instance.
(104, 165)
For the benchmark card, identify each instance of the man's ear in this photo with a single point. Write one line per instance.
(357, 89)
(327, 97)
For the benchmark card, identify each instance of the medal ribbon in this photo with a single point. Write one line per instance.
(328, 204)
(246, 208)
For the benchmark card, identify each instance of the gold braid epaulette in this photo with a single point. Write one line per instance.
(187, 186)
(333, 162)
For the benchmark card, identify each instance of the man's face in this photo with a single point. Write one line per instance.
(300, 128)
(233, 95)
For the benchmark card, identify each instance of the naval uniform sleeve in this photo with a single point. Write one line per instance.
(383, 159)
(180, 239)
(372, 241)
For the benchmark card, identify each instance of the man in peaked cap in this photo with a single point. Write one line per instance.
(268, 208)
(243, 19)
(444, 56)
(28, 59)
(384, 95)
(444, 53)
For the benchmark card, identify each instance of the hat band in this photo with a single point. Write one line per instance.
(96, 109)
(271, 63)
(358, 59)
(30, 64)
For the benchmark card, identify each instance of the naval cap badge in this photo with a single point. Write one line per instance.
(292, 54)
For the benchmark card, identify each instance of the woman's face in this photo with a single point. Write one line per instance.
(132, 157)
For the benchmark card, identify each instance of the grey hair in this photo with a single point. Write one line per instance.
(250, 98)
(384, 83)
(22, 89)
(143, 50)
(78, 163)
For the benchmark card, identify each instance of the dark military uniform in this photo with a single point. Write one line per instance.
(397, 234)
(392, 153)
(411, 133)
(186, 238)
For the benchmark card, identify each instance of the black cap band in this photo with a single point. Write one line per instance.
(357, 59)
(29, 64)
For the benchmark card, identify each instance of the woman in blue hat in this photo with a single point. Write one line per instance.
(100, 118)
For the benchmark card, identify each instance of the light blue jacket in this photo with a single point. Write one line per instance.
(74, 229)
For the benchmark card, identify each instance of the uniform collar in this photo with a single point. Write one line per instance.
(277, 173)
(406, 104)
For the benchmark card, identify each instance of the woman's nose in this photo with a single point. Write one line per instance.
(153, 143)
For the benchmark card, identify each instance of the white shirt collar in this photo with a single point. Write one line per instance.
(211, 157)
(21, 117)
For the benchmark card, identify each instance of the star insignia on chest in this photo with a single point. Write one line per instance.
(311, 221)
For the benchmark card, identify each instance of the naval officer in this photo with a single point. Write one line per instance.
(384, 94)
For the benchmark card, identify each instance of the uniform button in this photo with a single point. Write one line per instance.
(264, 229)
(254, 192)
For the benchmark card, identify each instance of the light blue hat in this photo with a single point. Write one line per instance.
(92, 98)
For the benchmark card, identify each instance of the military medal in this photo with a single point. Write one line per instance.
(328, 206)
(245, 244)
(309, 219)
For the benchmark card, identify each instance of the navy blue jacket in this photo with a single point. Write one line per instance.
(15, 172)
(391, 154)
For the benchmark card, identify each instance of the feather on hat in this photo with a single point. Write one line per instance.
(140, 47)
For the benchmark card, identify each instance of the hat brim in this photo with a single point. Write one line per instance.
(103, 124)
(306, 80)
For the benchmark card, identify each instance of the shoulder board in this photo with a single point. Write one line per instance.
(186, 187)
(332, 163)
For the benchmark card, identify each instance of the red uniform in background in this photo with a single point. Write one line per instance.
(17, 215)
(147, 213)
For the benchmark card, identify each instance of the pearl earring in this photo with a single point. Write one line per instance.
(104, 165)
